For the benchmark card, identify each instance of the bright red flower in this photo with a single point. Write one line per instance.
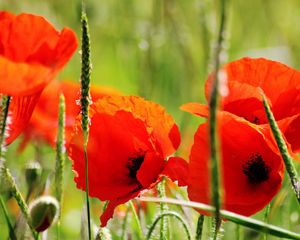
(129, 142)
(45, 114)
(32, 52)
(281, 85)
(252, 169)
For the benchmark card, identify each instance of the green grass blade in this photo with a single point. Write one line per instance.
(9, 225)
(233, 217)
(137, 221)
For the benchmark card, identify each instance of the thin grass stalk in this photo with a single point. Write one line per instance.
(60, 158)
(238, 232)
(8, 223)
(199, 228)
(124, 224)
(266, 219)
(170, 214)
(288, 161)
(230, 216)
(213, 108)
(137, 221)
(164, 223)
(85, 101)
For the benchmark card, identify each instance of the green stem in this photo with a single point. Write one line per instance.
(164, 224)
(199, 229)
(137, 221)
(20, 200)
(85, 101)
(171, 214)
(60, 158)
(288, 161)
(4, 114)
(216, 228)
(9, 225)
(213, 134)
(87, 192)
(230, 216)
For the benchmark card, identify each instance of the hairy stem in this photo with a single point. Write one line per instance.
(213, 133)
(199, 229)
(288, 161)
(171, 214)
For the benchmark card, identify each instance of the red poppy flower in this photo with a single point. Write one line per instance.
(281, 85)
(31, 54)
(129, 142)
(252, 169)
(45, 114)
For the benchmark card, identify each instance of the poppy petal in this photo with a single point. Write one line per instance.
(176, 169)
(32, 52)
(118, 141)
(290, 127)
(273, 77)
(23, 79)
(109, 211)
(279, 83)
(163, 129)
(196, 109)
(20, 110)
(152, 166)
(45, 114)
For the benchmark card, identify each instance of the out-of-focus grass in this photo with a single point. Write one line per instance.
(161, 50)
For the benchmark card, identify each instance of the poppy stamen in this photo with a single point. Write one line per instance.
(134, 163)
(256, 169)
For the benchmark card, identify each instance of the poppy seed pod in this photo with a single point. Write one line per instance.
(43, 212)
(32, 174)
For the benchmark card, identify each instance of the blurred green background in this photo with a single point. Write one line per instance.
(161, 50)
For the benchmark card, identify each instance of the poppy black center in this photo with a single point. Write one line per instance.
(256, 169)
(134, 164)
(254, 119)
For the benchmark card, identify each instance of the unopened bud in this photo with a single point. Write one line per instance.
(43, 212)
(32, 173)
(103, 234)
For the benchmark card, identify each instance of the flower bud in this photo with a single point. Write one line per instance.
(103, 234)
(32, 173)
(43, 212)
